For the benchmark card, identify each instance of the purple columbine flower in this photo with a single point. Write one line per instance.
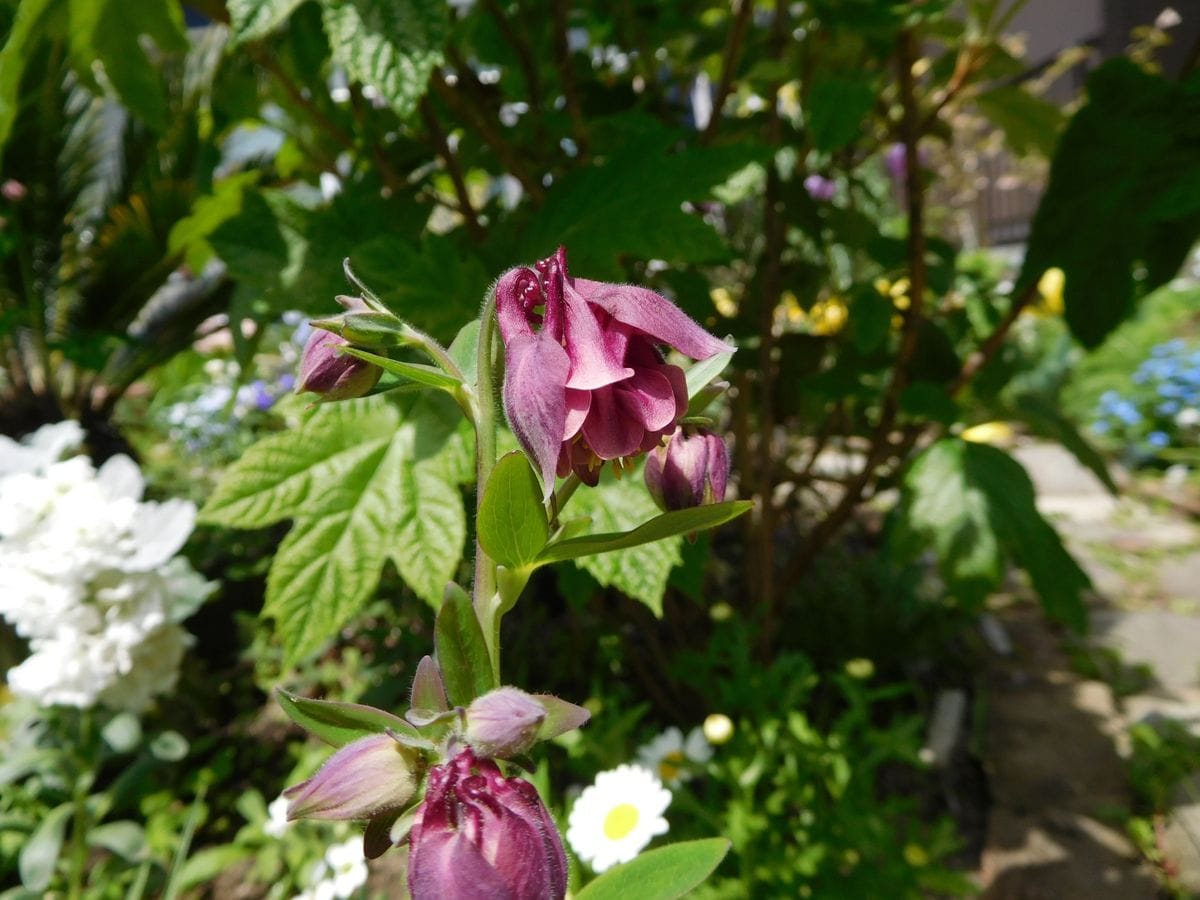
(325, 370)
(479, 835)
(585, 380)
(373, 776)
(689, 471)
(820, 188)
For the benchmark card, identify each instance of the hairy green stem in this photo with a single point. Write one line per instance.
(483, 593)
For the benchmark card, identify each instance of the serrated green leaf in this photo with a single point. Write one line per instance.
(631, 206)
(975, 506)
(428, 543)
(39, 856)
(328, 565)
(661, 874)
(281, 475)
(1121, 193)
(254, 19)
(462, 654)
(512, 525)
(337, 723)
(1045, 419)
(392, 45)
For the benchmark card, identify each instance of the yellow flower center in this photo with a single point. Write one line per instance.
(671, 765)
(620, 821)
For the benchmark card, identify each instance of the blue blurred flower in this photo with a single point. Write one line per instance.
(1158, 439)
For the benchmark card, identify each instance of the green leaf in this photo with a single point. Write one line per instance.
(207, 864)
(631, 206)
(1046, 420)
(1028, 122)
(39, 856)
(254, 19)
(431, 530)
(666, 525)
(393, 45)
(430, 376)
(339, 724)
(462, 654)
(280, 476)
(108, 33)
(837, 106)
(975, 506)
(31, 17)
(1122, 191)
(699, 375)
(190, 234)
(661, 874)
(512, 525)
(127, 839)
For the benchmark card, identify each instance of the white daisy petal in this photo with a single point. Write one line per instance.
(615, 818)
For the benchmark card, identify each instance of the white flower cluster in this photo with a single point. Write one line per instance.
(340, 874)
(89, 575)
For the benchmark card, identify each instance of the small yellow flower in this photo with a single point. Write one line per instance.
(860, 668)
(723, 300)
(915, 856)
(829, 316)
(1050, 291)
(998, 433)
(718, 729)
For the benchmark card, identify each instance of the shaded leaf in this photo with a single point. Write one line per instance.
(462, 654)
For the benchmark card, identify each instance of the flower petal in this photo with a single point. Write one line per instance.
(595, 362)
(578, 404)
(514, 292)
(649, 397)
(653, 314)
(535, 399)
(610, 429)
(448, 864)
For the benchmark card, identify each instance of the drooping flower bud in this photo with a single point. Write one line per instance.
(325, 370)
(479, 835)
(367, 777)
(690, 470)
(504, 722)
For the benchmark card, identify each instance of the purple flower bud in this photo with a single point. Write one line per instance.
(13, 190)
(895, 160)
(325, 370)
(589, 384)
(479, 835)
(367, 777)
(504, 722)
(689, 471)
(820, 188)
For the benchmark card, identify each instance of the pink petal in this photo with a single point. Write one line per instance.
(610, 430)
(513, 290)
(578, 404)
(649, 397)
(652, 314)
(594, 363)
(536, 370)
(448, 864)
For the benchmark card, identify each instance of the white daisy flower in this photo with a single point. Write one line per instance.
(617, 816)
(673, 758)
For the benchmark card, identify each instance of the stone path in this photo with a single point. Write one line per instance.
(1056, 740)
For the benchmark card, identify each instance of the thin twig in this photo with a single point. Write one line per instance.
(453, 169)
(465, 105)
(881, 445)
(729, 64)
(993, 342)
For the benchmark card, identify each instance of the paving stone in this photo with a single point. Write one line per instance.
(1167, 642)
(1180, 578)
(1181, 837)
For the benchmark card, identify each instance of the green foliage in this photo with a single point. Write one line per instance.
(511, 524)
(837, 107)
(661, 874)
(975, 507)
(364, 481)
(1122, 192)
(339, 723)
(462, 651)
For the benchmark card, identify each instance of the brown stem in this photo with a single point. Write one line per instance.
(993, 342)
(881, 446)
(562, 60)
(729, 64)
(453, 169)
(466, 105)
(774, 231)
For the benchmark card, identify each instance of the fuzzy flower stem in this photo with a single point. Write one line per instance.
(483, 592)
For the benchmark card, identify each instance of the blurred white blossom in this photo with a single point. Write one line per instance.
(340, 874)
(90, 576)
